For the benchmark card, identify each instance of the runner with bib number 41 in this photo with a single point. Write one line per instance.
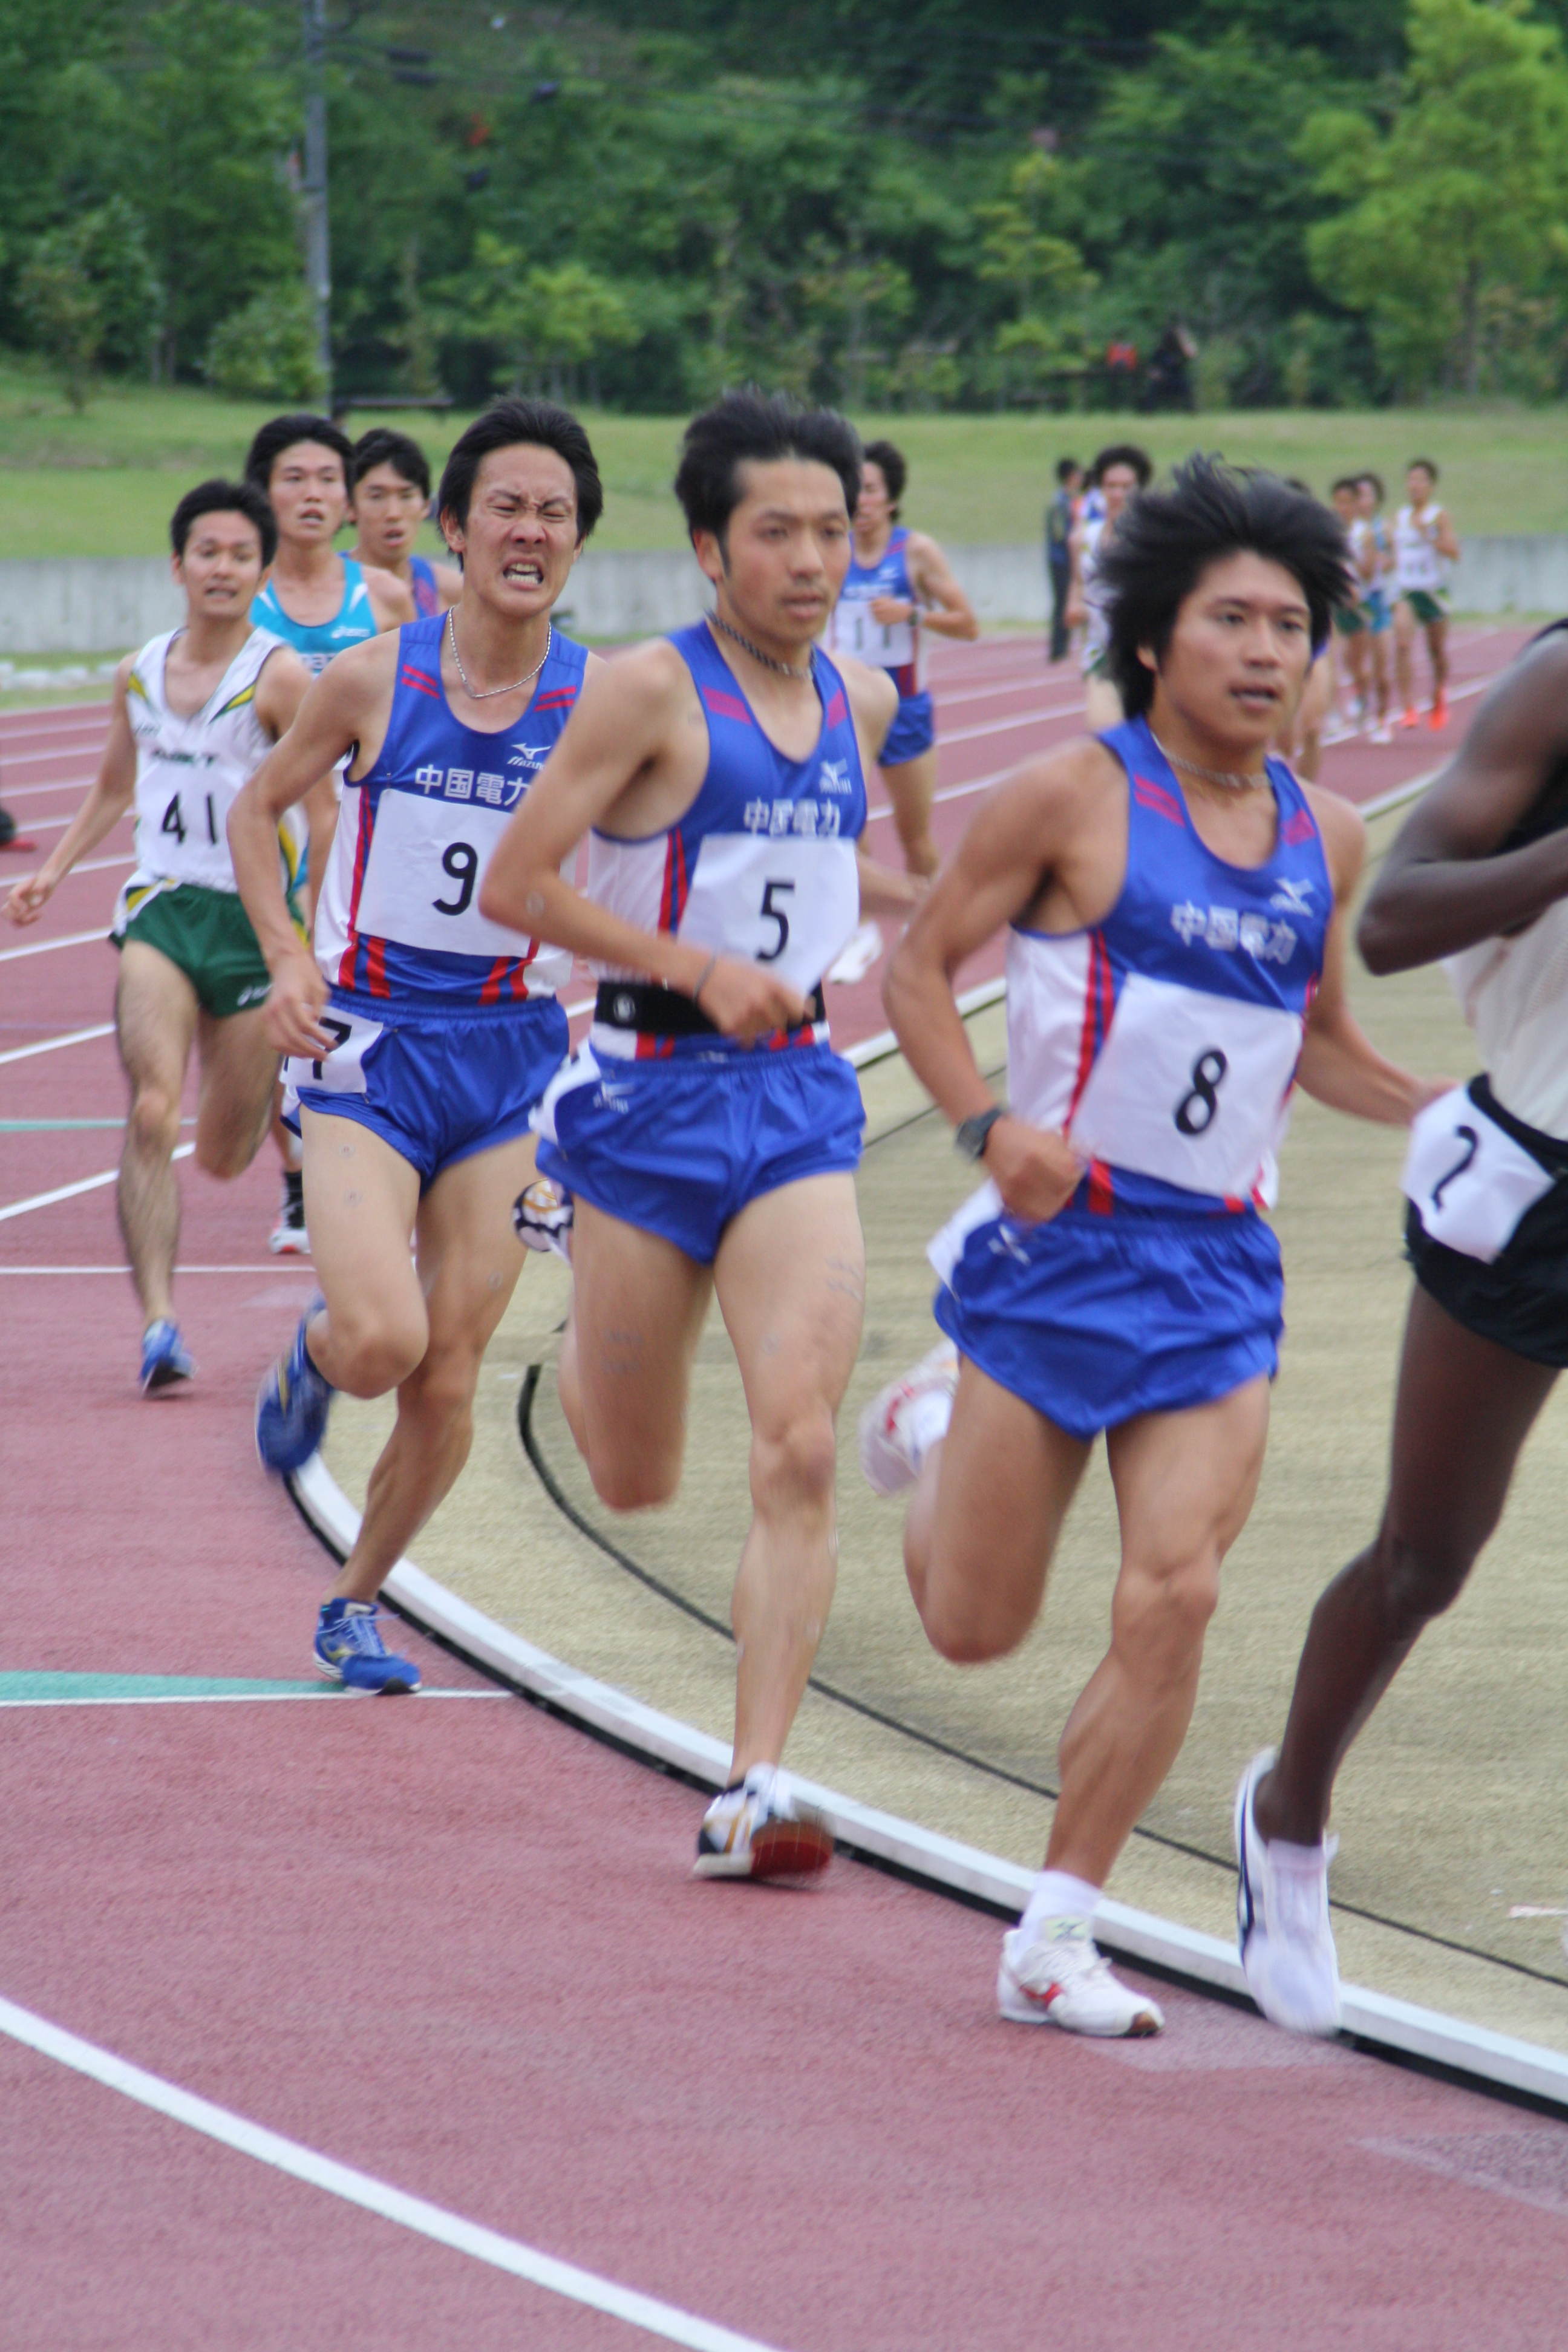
(1175, 964)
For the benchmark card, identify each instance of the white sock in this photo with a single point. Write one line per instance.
(926, 1424)
(1059, 1895)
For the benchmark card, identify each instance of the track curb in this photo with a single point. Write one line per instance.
(1393, 2028)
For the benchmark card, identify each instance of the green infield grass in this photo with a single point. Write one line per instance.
(103, 482)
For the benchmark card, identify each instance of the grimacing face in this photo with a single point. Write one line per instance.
(519, 542)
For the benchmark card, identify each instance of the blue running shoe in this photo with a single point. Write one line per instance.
(165, 1358)
(349, 1650)
(292, 1409)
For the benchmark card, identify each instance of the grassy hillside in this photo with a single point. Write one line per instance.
(103, 483)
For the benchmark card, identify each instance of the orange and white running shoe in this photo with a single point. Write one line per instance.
(1439, 714)
(892, 1444)
(756, 1831)
(1411, 718)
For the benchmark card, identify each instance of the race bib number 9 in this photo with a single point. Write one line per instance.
(1470, 1182)
(1189, 1087)
(427, 859)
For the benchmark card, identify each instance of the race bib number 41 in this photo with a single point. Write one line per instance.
(1189, 1087)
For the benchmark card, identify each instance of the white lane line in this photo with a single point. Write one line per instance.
(264, 1266)
(47, 947)
(54, 1045)
(33, 791)
(361, 2189)
(82, 1184)
(240, 1698)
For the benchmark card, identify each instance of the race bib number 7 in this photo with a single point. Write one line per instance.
(1470, 1182)
(341, 1071)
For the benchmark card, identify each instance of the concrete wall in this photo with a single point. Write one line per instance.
(82, 605)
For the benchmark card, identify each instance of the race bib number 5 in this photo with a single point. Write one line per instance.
(1470, 1182)
(1189, 1087)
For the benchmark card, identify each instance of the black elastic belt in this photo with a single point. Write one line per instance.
(655, 1011)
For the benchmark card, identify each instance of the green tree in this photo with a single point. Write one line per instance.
(1042, 273)
(266, 350)
(1460, 197)
(89, 293)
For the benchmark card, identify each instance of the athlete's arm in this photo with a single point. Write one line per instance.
(629, 717)
(1003, 861)
(1442, 887)
(1339, 1066)
(280, 691)
(1077, 612)
(113, 789)
(391, 599)
(345, 708)
(1448, 545)
(946, 608)
(448, 584)
(873, 706)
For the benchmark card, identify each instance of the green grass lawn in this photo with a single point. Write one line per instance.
(104, 482)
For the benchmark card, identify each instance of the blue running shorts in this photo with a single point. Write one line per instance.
(1095, 1320)
(437, 1085)
(914, 731)
(679, 1145)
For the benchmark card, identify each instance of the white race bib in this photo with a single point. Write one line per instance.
(885, 645)
(341, 1072)
(428, 860)
(1469, 1180)
(787, 902)
(1189, 1087)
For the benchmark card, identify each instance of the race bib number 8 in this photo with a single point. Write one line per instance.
(1469, 1180)
(1189, 1087)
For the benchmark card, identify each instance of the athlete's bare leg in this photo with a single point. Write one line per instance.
(1437, 653)
(1464, 1409)
(791, 1280)
(156, 1012)
(637, 1309)
(1405, 655)
(364, 1197)
(234, 1105)
(984, 1522)
(1377, 656)
(468, 1263)
(911, 787)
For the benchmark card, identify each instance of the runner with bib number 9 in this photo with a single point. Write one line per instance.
(422, 1034)
(1175, 964)
(1478, 876)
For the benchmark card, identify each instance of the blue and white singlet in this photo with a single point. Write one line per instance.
(762, 865)
(893, 646)
(399, 916)
(426, 590)
(316, 642)
(1163, 1042)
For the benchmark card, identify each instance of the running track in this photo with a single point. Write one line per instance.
(453, 1944)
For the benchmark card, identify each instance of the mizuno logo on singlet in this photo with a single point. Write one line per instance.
(528, 755)
(835, 776)
(1292, 898)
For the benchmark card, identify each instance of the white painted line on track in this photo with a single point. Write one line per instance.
(241, 1699)
(35, 792)
(361, 2189)
(47, 947)
(884, 1043)
(263, 1265)
(940, 1861)
(82, 1184)
(54, 1045)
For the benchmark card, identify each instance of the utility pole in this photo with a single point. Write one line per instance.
(318, 239)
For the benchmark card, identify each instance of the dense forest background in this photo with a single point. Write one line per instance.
(937, 203)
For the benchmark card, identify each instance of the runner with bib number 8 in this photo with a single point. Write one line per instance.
(1175, 965)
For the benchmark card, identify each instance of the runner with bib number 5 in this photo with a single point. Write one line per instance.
(1477, 875)
(422, 1034)
(1175, 963)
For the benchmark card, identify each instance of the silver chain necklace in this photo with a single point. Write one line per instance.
(1227, 779)
(784, 669)
(488, 693)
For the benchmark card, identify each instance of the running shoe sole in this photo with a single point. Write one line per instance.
(780, 1851)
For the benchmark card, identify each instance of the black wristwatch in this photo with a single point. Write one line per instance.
(971, 1135)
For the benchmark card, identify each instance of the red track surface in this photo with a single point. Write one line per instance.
(456, 1944)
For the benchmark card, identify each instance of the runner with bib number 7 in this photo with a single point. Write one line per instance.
(1175, 965)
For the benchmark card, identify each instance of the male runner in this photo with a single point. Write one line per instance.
(708, 1131)
(317, 602)
(1174, 962)
(1378, 561)
(1059, 519)
(194, 714)
(1424, 552)
(1115, 474)
(390, 494)
(422, 1034)
(898, 584)
(1479, 876)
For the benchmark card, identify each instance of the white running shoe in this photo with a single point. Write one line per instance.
(886, 1454)
(1060, 1976)
(757, 1832)
(289, 1237)
(1383, 733)
(1288, 1953)
(864, 949)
